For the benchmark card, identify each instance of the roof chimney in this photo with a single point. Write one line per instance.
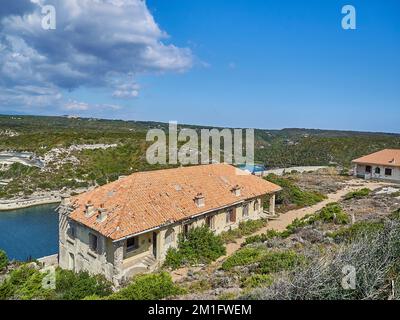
(89, 209)
(199, 200)
(102, 214)
(236, 190)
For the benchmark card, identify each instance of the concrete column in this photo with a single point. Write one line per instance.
(158, 246)
(272, 204)
(355, 170)
(118, 254)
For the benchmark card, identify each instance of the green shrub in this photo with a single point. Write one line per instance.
(358, 229)
(227, 296)
(3, 260)
(297, 224)
(270, 234)
(25, 283)
(245, 228)
(292, 194)
(148, 287)
(256, 281)
(230, 236)
(243, 257)
(251, 226)
(278, 261)
(358, 194)
(333, 213)
(174, 258)
(395, 215)
(200, 246)
(77, 286)
(395, 194)
(92, 297)
(256, 239)
(199, 286)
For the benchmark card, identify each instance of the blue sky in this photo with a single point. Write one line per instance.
(263, 64)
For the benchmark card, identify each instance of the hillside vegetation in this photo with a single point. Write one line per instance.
(44, 136)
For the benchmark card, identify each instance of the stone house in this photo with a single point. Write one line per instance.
(127, 226)
(384, 164)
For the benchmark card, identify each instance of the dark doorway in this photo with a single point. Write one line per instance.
(186, 229)
(155, 244)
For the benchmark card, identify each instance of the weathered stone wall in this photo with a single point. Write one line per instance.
(112, 259)
(76, 254)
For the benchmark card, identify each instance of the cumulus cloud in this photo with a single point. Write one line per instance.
(97, 43)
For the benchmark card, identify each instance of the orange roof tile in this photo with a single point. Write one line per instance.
(146, 200)
(386, 157)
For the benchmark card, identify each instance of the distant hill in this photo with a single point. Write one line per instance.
(40, 134)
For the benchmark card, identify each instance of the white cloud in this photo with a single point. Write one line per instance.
(97, 43)
(74, 105)
(126, 91)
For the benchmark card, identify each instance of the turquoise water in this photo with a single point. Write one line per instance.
(30, 232)
(252, 168)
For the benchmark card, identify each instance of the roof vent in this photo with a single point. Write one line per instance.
(89, 209)
(236, 190)
(199, 200)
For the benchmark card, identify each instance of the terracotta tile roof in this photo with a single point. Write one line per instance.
(387, 157)
(147, 200)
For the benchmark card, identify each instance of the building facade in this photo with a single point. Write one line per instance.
(101, 233)
(382, 165)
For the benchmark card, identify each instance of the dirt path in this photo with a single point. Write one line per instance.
(284, 220)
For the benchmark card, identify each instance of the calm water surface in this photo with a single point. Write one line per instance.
(30, 232)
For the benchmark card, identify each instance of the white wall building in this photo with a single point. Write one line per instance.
(384, 165)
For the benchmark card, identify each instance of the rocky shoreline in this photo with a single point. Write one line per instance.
(37, 199)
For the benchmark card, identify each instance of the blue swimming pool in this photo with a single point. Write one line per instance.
(252, 168)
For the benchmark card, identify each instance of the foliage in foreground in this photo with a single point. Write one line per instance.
(243, 257)
(376, 261)
(358, 229)
(200, 246)
(77, 286)
(256, 281)
(148, 287)
(26, 283)
(268, 261)
(278, 261)
(3, 260)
